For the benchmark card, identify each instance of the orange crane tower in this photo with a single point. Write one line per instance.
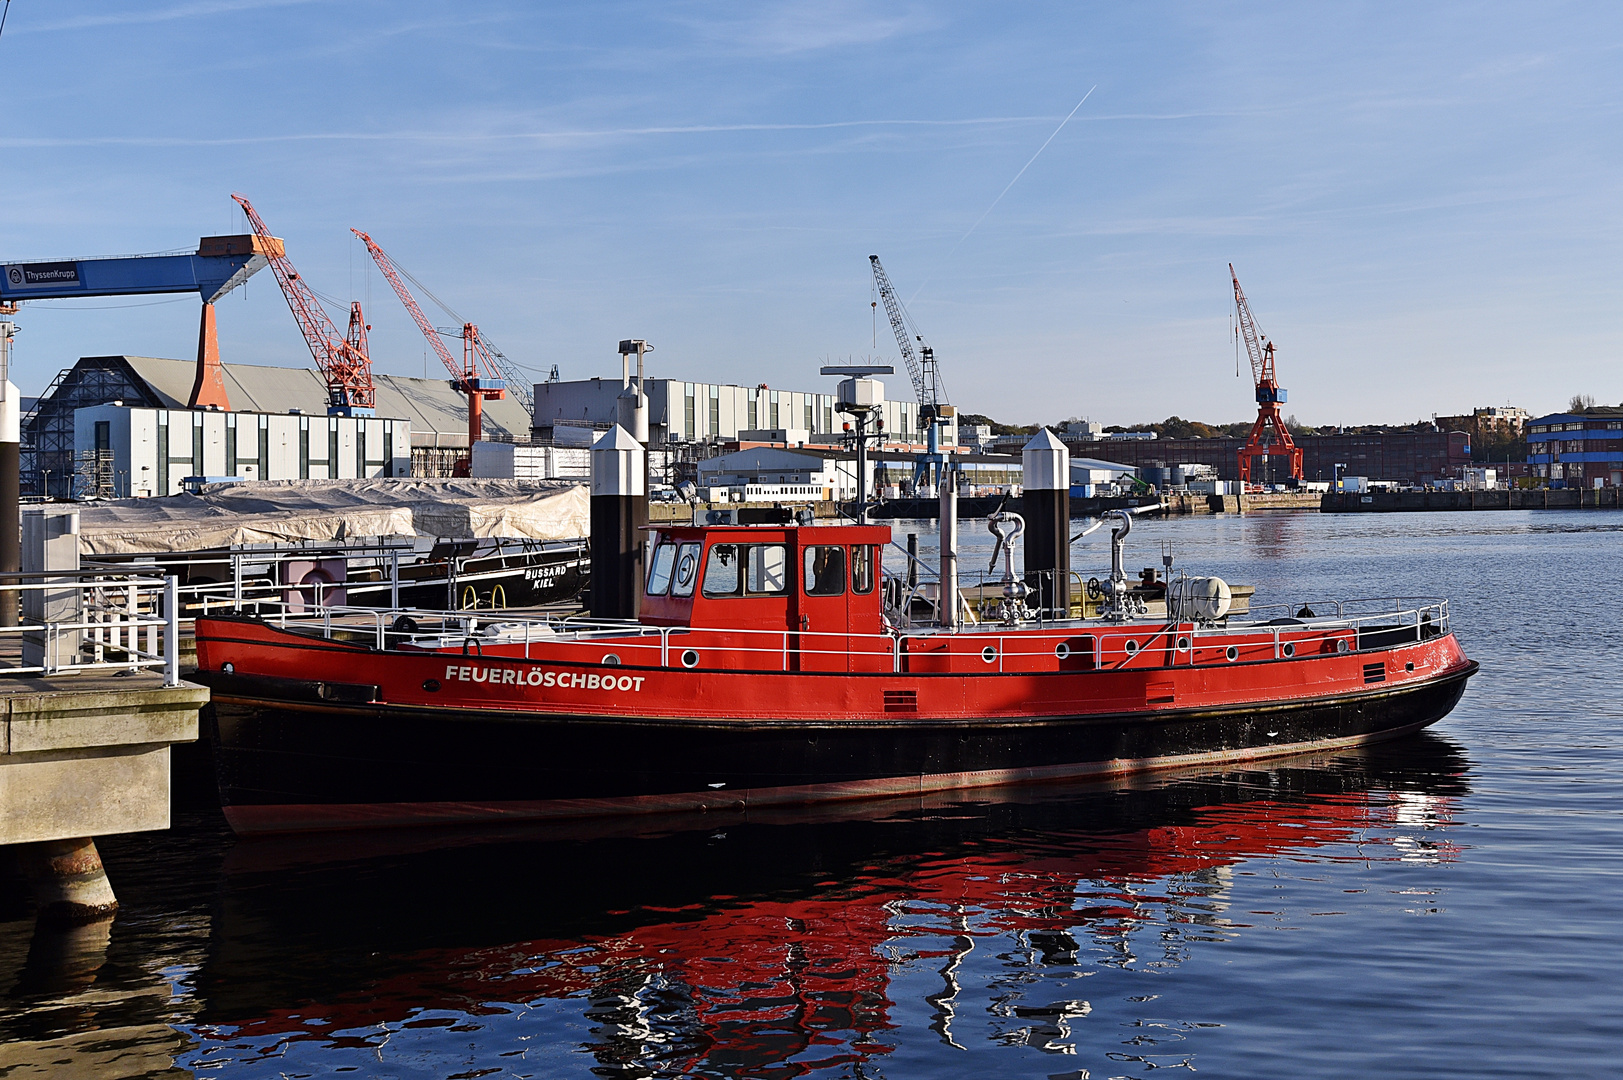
(341, 358)
(476, 354)
(1269, 437)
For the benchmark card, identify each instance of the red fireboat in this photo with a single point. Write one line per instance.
(777, 664)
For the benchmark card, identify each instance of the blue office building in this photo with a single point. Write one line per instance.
(1578, 449)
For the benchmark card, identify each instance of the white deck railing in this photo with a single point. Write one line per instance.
(92, 620)
(1365, 625)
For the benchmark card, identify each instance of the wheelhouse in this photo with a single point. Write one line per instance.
(820, 580)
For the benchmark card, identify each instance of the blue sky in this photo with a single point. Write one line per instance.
(1422, 201)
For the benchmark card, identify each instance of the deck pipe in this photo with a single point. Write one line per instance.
(947, 602)
(619, 519)
(1046, 505)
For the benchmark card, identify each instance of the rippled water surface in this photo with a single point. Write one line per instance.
(1447, 905)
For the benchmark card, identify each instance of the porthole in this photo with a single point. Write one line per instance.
(1341, 644)
(1131, 647)
(1289, 648)
(1231, 653)
(431, 685)
(989, 654)
(1183, 644)
(611, 658)
(690, 658)
(1062, 650)
(1409, 666)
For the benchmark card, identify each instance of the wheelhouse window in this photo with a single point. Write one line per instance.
(862, 569)
(721, 577)
(687, 570)
(825, 570)
(660, 569)
(767, 568)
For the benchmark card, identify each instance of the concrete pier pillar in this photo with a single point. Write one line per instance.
(70, 885)
(619, 517)
(1046, 505)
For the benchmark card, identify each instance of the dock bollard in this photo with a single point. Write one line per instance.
(70, 885)
(619, 515)
(1045, 473)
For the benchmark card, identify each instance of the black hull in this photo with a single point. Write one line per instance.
(285, 765)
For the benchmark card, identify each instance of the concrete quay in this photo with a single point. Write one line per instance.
(1386, 502)
(83, 756)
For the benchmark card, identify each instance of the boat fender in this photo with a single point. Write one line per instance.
(404, 624)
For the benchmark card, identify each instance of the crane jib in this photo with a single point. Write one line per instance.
(921, 366)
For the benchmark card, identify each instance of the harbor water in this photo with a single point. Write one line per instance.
(1446, 905)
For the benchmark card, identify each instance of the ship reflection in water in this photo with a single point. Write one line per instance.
(1035, 928)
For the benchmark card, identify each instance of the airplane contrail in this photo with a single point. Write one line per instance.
(1011, 183)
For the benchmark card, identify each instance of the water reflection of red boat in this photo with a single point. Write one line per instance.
(775, 950)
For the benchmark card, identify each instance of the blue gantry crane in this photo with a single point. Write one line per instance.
(220, 264)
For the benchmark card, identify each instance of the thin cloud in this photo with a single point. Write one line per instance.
(566, 134)
(494, 137)
(152, 15)
(788, 28)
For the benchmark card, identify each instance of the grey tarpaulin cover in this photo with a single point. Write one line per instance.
(283, 511)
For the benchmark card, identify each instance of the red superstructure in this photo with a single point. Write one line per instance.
(766, 669)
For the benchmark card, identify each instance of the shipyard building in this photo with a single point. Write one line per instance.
(138, 438)
(697, 412)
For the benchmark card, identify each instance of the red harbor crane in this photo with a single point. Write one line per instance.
(479, 376)
(1269, 437)
(341, 358)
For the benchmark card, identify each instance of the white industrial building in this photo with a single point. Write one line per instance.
(137, 452)
(1086, 470)
(689, 412)
(830, 472)
(431, 411)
